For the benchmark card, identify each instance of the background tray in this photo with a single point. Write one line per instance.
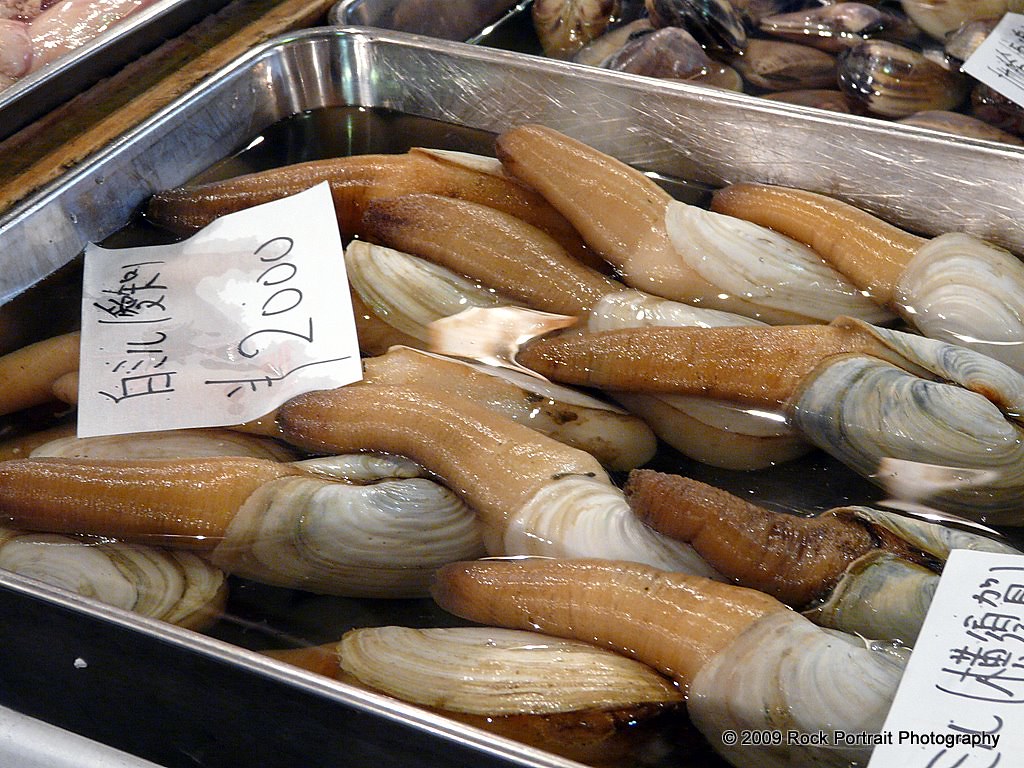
(39, 92)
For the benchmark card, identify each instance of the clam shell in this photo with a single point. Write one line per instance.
(829, 27)
(579, 516)
(772, 277)
(884, 596)
(777, 65)
(380, 540)
(565, 26)
(961, 125)
(861, 410)
(409, 293)
(489, 671)
(784, 673)
(174, 443)
(177, 587)
(715, 23)
(961, 289)
(894, 81)
(940, 17)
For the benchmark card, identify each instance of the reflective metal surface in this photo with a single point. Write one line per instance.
(914, 178)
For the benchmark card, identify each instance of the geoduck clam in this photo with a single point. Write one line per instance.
(650, 238)
(300, 525)
(566, 696)
(177, 587)
(532, 494)
(861, 393)
(416, 295)
(955, 287)
(865, 571)
(745, 660)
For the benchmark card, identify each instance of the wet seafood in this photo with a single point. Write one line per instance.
(715, 23)
(533, 494)
(27, 375)
(995, 109)
(412, 293)
(565, 26)
(177, 587)
(964, 40)
(487, 245)
(598, 50)
(33, 37)
(865, 571)
(706, 636)
(940, 17)
(961, 125)
(777, 65)
(564, 696)
(355, 181)
(671, 53)
(819, 98)
(892, 80)
(833, 27)
(617, 439)
(297, 524)
(861, 393)
(648, 236)
(955, 287)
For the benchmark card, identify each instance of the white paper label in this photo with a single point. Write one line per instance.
(961, 700)
(999, 61)
(221, 328)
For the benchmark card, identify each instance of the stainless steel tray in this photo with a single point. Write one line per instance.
(43, 90)
(203, 700)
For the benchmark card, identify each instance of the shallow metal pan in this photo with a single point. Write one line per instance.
(199, 700)
(41, 91)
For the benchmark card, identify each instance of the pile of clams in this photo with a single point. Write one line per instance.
(887, 59)
(515, 489)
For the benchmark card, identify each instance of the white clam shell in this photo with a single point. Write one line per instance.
(177, 587)
(409, 293)
(578, 516)
(884, 596)
(713, 432)
(764, 274)
(173, 443)
(380, 540)
(489, 671)
(863, 410)
(784, 673)
(961, 289)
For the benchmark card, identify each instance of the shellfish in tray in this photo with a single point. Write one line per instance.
(955, 287)
(866, 571)
(304, 525)
(649, 237)
(861, 393)
(566, 696)
(408, 292)
(745, 660)
(177, 587)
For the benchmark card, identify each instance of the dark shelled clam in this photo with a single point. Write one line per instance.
(892, 80)
(715, 23)
(831, 27)
(565, 26)
(995, 109)
(672, 52)
(776, 65)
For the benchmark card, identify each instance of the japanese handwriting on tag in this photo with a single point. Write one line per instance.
(221, 328)
(961, 701)
(999, 61)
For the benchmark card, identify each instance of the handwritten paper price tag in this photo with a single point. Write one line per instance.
(999, 61)
(221, 328)
(961, 700)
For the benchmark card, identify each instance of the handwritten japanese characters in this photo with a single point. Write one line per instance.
(999, 60)
(221, 328)
(961, 701)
